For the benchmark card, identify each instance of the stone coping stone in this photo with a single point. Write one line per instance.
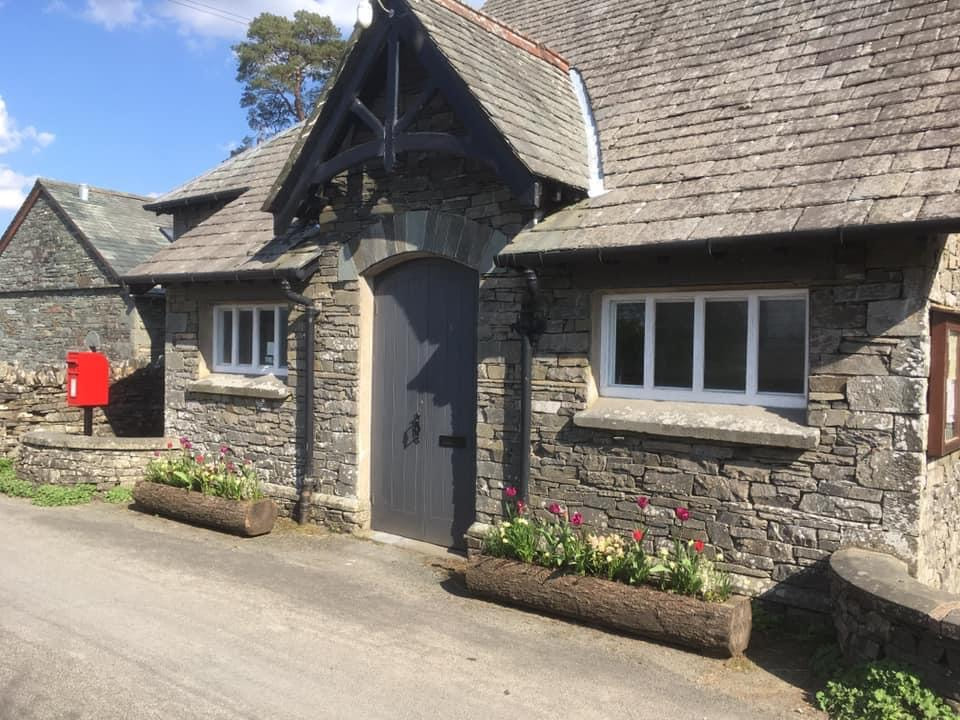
(743, 424)
(106, 443)
(886, 581)
(268, 387)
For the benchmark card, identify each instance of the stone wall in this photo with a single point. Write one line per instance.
(37, 400)
(258, 421)
(938, 562)
(52, 293)
(775, 512)
(880, 612)
(53, 458)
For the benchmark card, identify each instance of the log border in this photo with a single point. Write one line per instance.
(247, 518)
(713, 628)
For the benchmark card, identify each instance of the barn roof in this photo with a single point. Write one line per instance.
(733, 118)
(112, 224)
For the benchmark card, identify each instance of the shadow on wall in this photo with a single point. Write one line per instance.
(136, 403)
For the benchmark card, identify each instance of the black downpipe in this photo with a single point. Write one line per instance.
(305, 501)
(531, 327)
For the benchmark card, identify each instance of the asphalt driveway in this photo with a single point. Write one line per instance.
(109, 613)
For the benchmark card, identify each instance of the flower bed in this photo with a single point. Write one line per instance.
(222, 492)
(551, 564)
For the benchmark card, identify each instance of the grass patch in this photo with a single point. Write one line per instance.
(61, 495)
(118, 495)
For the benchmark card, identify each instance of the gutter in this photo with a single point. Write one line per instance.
(308, 482)
(165, 205)
(301, 273)
(559, 256)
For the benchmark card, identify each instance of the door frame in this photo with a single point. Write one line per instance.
(366, 302)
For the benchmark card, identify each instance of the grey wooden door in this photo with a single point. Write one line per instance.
(424, 401)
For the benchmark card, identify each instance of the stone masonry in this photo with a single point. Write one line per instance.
(52, 293)
(775, 512)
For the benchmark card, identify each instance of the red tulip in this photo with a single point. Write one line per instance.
(555, 508)
(200, 459)
(521, 506)
(576, 519)
(698, 546)
(682, 514)
(643, 502)
(510, 491)
(638, 535)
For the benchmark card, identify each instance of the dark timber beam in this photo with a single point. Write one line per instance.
(425, 96)
(393, 100)
(366, 114)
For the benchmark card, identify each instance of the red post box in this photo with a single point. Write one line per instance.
(88, 379)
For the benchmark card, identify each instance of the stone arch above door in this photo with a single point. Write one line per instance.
(421, 231)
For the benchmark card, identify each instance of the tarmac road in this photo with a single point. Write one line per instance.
(109, 613)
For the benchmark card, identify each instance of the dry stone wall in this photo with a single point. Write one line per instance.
(37, 400)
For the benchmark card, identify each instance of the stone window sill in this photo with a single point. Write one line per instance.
(742, 424)
(266, 387)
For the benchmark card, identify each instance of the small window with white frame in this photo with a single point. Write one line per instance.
(250, 339)
(736, 347)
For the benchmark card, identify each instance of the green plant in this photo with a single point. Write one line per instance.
(224, 475)
(118, 495)
(61, 495)
(827, 661)
(558, 542)
(882, 691)
(10, 484)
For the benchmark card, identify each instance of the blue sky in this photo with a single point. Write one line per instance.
(133, 95)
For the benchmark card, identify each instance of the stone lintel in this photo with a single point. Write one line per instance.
(742, 424)
(268, 387)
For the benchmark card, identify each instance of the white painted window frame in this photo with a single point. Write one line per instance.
(256, 367)
(648, 391)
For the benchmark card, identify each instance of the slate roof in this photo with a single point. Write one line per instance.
(113, 223)
(747, 117)
(238, 239)
(524, 89)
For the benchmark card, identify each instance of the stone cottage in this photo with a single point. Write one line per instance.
(61, 260)
(701, 253)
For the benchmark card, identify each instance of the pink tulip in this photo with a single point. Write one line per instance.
(643, 501)
(576, 519)
(682, 514)
(510, 491)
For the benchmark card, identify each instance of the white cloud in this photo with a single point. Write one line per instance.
(13, 137)
(114, 13)
(13, 188)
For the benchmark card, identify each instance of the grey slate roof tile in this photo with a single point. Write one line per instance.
(850, 104)
(239, 237)
(114, 223)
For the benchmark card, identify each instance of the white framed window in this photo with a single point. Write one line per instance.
(736, 347)
(250, 339)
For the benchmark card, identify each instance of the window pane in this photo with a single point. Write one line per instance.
(783, 346)
(673, 351)
(267, 346)
(226, 336)
(629, 351)
(725, 346)
(284, 319)
(951, 429)
(246, 337)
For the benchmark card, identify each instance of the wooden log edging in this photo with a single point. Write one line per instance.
(247, 518)
(715, 628)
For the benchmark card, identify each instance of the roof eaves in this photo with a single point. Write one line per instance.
(164, 206)
(21, 215)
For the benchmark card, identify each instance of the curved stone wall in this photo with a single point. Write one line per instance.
(56, 458)
(880, 611)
